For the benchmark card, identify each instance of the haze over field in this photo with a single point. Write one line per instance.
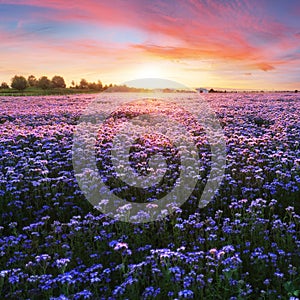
(227, 44)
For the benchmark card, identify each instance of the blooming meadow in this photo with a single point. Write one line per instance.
(245, 244)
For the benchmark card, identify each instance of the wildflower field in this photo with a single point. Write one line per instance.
(245, 244)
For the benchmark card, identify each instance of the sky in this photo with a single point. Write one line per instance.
(242, 44)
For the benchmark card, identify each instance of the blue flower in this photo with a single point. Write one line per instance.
(186, 294)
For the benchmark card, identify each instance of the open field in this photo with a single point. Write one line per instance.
(245, 244)
(32, 91)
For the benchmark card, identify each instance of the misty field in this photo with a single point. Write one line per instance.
(245, 244)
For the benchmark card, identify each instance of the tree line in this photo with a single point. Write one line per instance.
(21, 83)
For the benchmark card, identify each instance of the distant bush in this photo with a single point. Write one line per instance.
(95, 86)
(44, 83)
(32, 81)
(83, 84)
(4, 85)
(19, 83)
(58, 82)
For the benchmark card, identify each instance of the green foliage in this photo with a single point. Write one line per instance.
(95, 86)
(32, 81)
(4, 85)
(58, 82)
(57, 85)
(19, 83)
(44, 83)
(291, 289)
(83, 84)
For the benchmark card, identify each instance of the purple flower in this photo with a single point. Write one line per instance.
(42, 257)
(186, 294)
(62, 262)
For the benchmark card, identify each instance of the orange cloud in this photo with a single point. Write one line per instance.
(265, 66)
(230, 30)
(239, 32)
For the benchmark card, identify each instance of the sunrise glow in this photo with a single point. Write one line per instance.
(228, 44)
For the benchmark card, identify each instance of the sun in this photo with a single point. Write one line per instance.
(149, 71)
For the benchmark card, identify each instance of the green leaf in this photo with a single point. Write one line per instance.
(296, 293)
(288, 286)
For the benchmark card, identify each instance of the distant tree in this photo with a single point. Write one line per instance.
(99, 85)
(44, 83)
(73, 84)
(211, 91)
(4, 85)
(92, 85)
(83, 84)
(32, 81)
(95, 86)
(58, 82)
(296, 91)
(19, 83)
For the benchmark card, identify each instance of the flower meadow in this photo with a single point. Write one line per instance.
(245, 244)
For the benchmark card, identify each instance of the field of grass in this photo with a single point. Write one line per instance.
(245, 244)
(33, 91)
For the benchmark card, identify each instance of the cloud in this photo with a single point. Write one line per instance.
(249, 35)
(265, 66)
(230, 30)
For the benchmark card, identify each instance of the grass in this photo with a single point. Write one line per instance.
(34, 91)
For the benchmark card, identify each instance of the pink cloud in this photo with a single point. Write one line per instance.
(232, 31)
(265, 66)
(115, 12)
